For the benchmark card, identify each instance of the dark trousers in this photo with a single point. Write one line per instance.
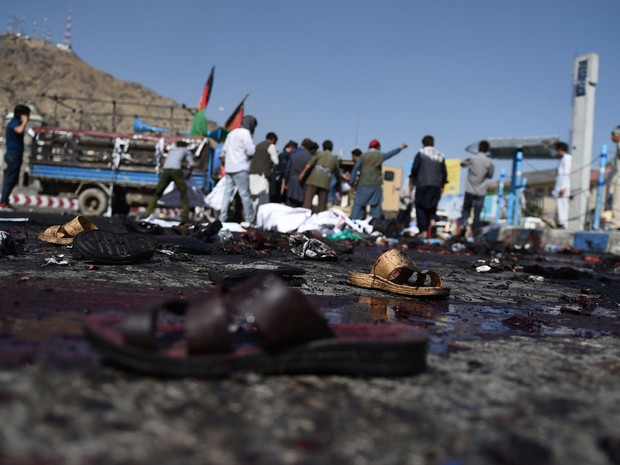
(11, 174)
(426, 201)
(476, 202)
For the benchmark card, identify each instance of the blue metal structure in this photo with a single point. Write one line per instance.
(596, 224)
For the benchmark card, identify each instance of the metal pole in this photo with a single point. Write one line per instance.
(500, 195)
(599, 189)
(113, 115)
(517, 188)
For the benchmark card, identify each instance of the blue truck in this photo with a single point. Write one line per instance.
(106, 172)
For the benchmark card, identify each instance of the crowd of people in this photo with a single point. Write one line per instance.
(305, 171)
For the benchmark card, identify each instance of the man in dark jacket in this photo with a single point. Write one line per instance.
(428, 174)
(296, 163)
(276, 187)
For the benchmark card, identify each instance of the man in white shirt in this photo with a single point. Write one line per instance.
(561, 191)
(613, 187)
(237, 153)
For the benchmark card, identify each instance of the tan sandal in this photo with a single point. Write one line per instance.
(64, 234)
(391, 273)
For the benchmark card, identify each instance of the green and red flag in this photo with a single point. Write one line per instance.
(234, 121)
(199, 122)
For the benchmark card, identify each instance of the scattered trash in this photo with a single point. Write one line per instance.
(534, 278)
(224, 235)
(313, 249)
(345, 234)
(7, 244)
(483, 268)
(552, 248)
(55, 261)
(458, 247)
(572, 310)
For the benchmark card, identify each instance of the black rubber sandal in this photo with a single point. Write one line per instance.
(271, 330)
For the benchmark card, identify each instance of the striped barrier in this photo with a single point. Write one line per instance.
(44, 201)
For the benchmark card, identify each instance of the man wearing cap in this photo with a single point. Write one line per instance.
(367, 178)
(614, 184)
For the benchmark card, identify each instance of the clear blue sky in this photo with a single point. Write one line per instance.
(355, 70)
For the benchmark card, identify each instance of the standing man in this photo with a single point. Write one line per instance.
(296, 163)
(367, 178)
(480, 169)
(14, 155)
(614, 183)
(172, 171)
(264, 159)
(428, 174)
(561, 191)
(322, 167)
(237, 152)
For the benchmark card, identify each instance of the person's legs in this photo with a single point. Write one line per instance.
(179, 180)
(242, 181)
(309, 194)
(323, 193)
(375, 211)
(357, 212)
(422, 219)
(615, 202)
(467, 204)
(11, 175)
(562, 211)
(478, 203)
(229, 189)
(164, 180)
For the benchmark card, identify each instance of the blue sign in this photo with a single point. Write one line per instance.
(582, 75)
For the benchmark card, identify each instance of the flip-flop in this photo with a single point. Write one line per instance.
(264, 327)
(391, 273)
(108, 248)
(64, 235)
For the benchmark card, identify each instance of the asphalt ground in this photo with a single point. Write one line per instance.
(523, 362)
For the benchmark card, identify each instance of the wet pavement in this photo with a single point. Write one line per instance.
(523, 362)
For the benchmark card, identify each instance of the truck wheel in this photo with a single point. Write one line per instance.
(93, 201)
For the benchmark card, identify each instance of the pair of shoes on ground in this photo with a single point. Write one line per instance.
(263, 327)
(391, 273)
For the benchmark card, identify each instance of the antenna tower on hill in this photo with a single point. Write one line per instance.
(66, 45)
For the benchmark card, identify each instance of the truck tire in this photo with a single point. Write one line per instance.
(92, 201)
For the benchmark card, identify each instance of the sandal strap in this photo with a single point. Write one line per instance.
(138, 329)
(395, 266)
(435, 278)
(208, 327)
(281, 315)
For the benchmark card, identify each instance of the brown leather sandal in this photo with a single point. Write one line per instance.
(263, 327)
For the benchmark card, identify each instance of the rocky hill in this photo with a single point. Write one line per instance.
(68, 92)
